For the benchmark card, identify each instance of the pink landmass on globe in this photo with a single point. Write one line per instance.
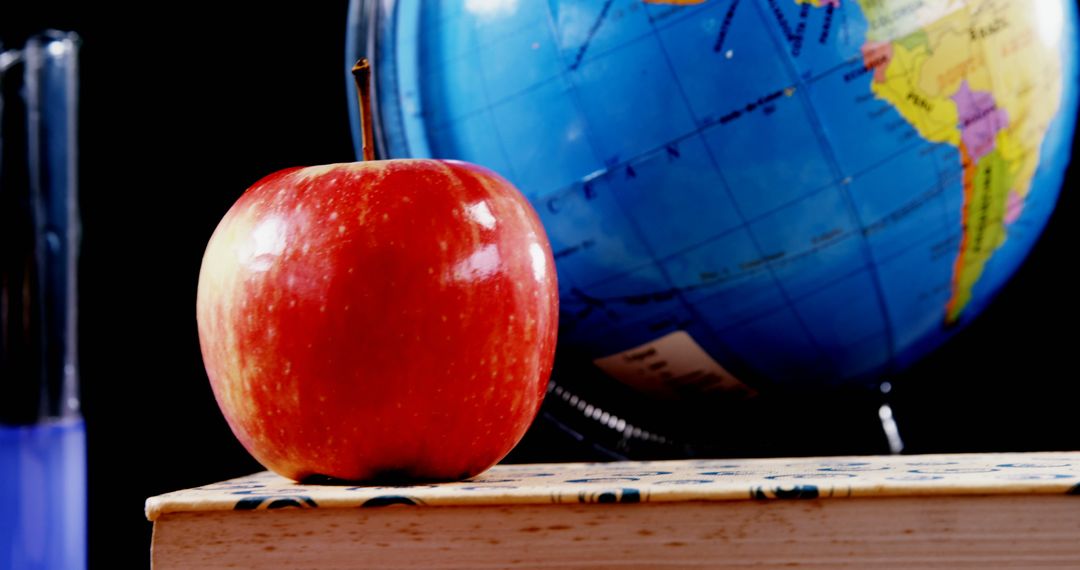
(980, 120)
(876, 56)
(1013, 207)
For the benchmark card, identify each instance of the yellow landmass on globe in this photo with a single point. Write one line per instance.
(933, 115)
(1025, 69)
(983, 76)
(1022, 159)
(956, 60)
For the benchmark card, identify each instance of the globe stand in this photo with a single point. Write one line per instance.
(588, 416)
(888, 421)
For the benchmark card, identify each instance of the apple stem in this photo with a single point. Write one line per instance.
(362, 73)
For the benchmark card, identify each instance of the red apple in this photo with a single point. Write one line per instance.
(379, 319)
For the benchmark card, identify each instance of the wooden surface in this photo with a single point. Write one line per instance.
(1002, 531)
(1046, 473)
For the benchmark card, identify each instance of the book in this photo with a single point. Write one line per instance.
(1013, 510)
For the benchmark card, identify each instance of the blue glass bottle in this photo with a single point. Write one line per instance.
(42, 438)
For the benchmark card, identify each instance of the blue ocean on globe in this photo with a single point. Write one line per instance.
(744, 194)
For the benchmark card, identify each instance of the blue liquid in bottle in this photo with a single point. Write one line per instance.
(43, 495)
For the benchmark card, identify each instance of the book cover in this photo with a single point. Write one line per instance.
(1005, 510)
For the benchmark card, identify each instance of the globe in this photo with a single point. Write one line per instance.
(747, 195)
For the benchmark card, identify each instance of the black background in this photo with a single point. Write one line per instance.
(183, 107)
